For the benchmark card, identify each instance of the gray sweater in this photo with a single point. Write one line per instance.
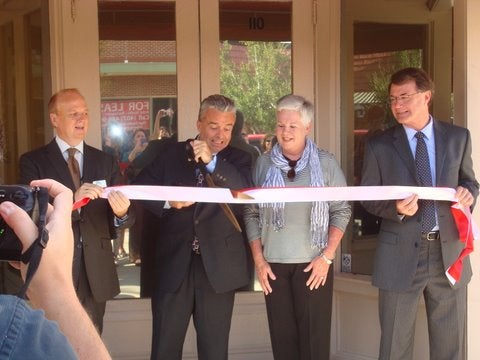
(292, 244)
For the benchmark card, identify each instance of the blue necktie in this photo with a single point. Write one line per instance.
(425, 175)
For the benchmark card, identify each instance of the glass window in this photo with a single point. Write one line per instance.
(379, 51)
(8, 143)
(256, 60)
(256, 65)
(138, 85)
(30, 117)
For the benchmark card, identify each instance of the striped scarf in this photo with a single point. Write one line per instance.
(319, 215)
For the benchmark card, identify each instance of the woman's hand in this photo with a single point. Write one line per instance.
(319, 268)
(264, 272)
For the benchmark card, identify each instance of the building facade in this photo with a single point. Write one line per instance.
(50, 45)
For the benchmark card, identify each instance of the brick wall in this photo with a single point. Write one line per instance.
(138, 85)
(137, 51)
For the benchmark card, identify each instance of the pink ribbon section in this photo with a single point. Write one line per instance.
(276, 195)
(467, 229)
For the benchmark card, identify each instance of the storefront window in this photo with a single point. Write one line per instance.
(256, 60)
(138, 85)
(379, 51)
(256, 65)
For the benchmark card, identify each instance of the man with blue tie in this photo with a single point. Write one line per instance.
(418, 239)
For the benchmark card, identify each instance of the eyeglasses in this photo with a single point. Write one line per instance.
(291, 173)
(402, 99)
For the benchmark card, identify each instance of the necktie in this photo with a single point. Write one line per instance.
(425, 175)
(73, 167)
(200, 179)
(200, 183)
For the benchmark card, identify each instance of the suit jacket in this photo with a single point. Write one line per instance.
(223, 249)
(389, 161)
(94, 224)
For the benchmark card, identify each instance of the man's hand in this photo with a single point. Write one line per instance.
(201, 151)
(180, 204)
(119, 203)
(464, 196)
(88, 190)
(55, 270)
(408, 206)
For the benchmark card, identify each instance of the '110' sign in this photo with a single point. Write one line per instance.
(256, 23)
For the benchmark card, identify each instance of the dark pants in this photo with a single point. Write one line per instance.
(212, 314)
(299, 318)
(445, 311)
(95, 309)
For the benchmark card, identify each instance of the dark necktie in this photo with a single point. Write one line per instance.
(73, 167)
(200, 183)
(425, 175)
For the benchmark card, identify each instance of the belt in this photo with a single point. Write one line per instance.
(431, 236)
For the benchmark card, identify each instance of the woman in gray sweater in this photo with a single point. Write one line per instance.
(293, 244)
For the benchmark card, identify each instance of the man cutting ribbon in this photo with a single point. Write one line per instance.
(200, 256)
(418, 241)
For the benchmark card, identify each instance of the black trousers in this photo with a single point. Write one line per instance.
(212, 314)
(95, 309)
(299, 318)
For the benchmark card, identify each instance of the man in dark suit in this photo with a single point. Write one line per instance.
(94, 273)
(200, 256)
(413, 253)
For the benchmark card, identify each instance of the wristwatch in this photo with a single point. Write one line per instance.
(326, 259)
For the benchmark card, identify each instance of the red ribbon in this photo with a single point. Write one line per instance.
(463, 220)
(80, 203)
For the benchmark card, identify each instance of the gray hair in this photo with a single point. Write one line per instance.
(218, 102)
(297, 103)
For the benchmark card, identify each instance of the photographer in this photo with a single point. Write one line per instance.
(28, 333)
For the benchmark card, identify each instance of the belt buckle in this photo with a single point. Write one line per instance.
(432, 235)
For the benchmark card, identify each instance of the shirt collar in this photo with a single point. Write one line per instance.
(427, 130)
(64, 146)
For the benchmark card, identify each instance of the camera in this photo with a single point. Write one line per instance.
(25, 197)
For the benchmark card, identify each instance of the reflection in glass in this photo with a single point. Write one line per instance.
(256, 74)
(379, 51)
(256, 62)
(138, 85)
(8, 144)
(35, 80)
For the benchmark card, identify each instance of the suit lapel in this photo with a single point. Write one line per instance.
(89, 170)
(400, 142)
(57, 162)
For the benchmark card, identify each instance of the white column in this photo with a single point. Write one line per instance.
(188, 68)
(75, 55)
(327, 75)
